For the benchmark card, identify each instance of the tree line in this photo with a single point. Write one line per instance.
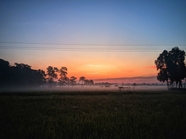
(60, 75)
(170, 64)
(22, 75)
(172, 67)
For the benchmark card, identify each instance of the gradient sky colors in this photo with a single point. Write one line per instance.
(95, 39)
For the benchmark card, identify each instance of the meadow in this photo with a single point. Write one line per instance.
(93, 114)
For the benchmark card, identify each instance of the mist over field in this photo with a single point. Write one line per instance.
(80, 88)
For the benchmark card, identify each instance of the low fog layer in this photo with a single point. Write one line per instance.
(79, 88)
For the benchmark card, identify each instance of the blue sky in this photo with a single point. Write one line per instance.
(119, 25)
(94, 22)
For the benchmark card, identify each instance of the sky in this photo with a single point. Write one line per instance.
(96, 39)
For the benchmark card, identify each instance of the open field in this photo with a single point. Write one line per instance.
(93, 114)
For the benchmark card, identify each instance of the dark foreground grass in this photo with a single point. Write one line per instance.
(93, 115)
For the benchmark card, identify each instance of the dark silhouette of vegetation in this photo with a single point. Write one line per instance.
(88, 82)
(4, 72)
(51, 74)
(72, 80)
(85, 81)
(82, 80)
(171, 67)
(63, 76)
(91, 82)
(20, 75)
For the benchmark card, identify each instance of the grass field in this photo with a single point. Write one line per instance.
(93, 115)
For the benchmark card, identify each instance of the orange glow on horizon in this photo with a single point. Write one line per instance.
(95, 65)
(101, 71)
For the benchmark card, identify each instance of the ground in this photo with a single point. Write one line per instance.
(93, 114)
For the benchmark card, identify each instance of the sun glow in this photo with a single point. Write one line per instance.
(92, 65)
(97, 70)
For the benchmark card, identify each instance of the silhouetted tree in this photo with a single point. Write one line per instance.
(172, 67)
(20, 75)
(91, 82)
(73, 80)
(52, 74)
(63, 76)
(82, 79)
(4, 72)
(23, 74)
(40, 76)
(86, 82)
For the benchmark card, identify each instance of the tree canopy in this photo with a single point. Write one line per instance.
(20, 75)
(51, 74)
(171, 67)
(82, 79)
(63, 79)
(73, 80)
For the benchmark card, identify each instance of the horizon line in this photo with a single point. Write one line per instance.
(134, 77)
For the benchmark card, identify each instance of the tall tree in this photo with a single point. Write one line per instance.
(171, 66)
(23, 74)
(51, 74)
(4, 72)
(177, 65)
(73, 80)
(86, 82)
(63, 76)
(39, 77)
(82, 79)
(91, 82)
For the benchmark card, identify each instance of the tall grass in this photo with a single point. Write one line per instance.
(93, 115)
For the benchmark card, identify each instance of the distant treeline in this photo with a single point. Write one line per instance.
(22, 75)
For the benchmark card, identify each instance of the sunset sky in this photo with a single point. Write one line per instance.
(95, 39)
